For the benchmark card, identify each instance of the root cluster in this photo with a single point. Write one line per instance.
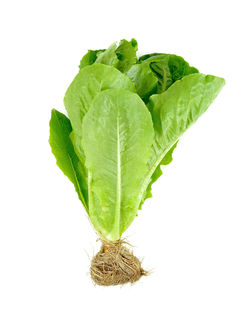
(115, 264)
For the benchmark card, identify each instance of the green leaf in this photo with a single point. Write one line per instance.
(144, 80)
(126, 53)
(173, 112)
(157, 173)
(168, 68)
(66, 159)
(147, 56)
(108, 57)
(90, 81)
(121, 57)
(117, 144)
(89, 58)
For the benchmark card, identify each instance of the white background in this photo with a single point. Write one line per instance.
(195, 232)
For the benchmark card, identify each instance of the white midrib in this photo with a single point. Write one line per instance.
(150, 173)
(118, 183)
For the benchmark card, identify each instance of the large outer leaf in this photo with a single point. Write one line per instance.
(118, 137)
(90, 81)
(155, 73)
(173, 112)
(66, 159)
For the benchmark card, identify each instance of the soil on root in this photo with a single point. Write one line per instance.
(115, 264)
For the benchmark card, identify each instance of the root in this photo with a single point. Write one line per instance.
(114, 264)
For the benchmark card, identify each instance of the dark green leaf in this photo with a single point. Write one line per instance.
(144, 80)
(167, 68)
(66, 159)
(126, 53)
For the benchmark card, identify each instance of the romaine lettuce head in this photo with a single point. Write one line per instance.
(125, 117)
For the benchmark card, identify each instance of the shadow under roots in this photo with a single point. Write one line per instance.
(115, 264)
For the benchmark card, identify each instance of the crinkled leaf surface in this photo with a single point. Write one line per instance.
(126, 53)
(173, 112)
(144, 80)
(167, 68)
(155, 73)
(117, 144)
(66, 159)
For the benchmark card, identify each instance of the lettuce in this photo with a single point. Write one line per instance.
(126, 116)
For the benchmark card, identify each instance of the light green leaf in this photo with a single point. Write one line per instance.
(157, 173)
(117, 144)
(173, 112)
(108, 57)
(90, 81)
(89, 58)
(66, 159)
(121, 57)
(176, 109)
